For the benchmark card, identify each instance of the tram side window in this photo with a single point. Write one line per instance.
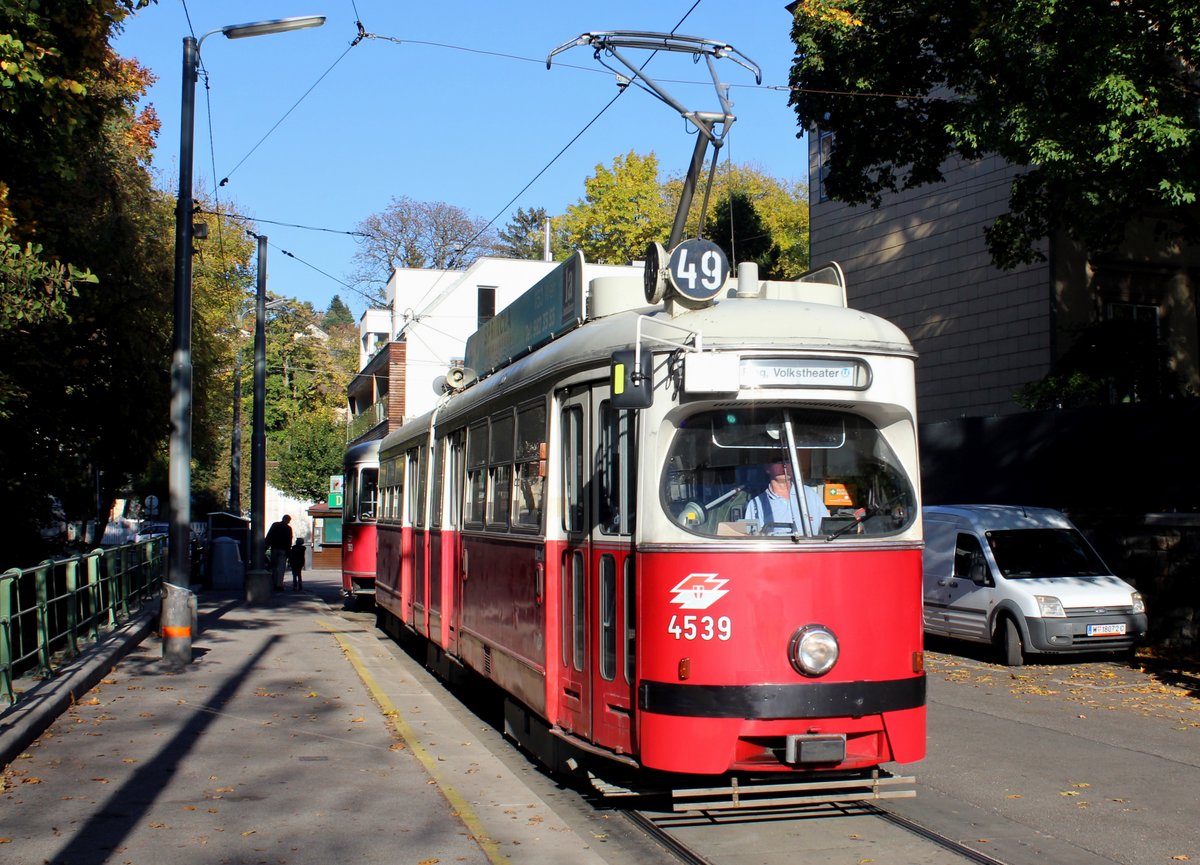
(349, 492)
(436, 484)
(572, 469)
(367, 498)
(477, 439)
(529, 478)
(500, 470)
(454, 480)
(608, 617)
(414, 515)
(616, 470)
(716, 481)
(391, 505)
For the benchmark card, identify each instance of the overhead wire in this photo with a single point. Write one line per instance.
(555, 158)
(304, 96)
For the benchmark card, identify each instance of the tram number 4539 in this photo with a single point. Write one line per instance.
(700, 627)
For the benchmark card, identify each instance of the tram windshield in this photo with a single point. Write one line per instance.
(738, 473)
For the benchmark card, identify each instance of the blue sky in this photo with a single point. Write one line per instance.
(449, 102)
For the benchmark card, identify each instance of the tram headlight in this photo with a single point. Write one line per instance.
(813, 650)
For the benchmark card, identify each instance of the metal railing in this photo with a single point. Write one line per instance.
(375, 414)
(48, 609)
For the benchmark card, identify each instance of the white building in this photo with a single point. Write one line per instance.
(405, 348)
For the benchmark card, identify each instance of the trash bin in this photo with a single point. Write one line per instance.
(228, 570)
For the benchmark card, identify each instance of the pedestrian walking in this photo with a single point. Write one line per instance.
(279, 542)
(296, 560)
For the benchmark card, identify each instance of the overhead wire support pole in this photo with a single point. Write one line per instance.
(711, 126)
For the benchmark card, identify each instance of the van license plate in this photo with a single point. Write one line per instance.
(1106, 630)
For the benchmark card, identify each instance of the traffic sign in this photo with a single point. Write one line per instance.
(335, 500)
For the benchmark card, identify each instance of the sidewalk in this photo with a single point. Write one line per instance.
(295, 736)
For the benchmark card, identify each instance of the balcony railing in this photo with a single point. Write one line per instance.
(360, 424)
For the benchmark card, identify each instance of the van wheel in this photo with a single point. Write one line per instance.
(1011, 651)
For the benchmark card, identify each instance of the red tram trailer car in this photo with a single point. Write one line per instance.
(360, 505)
(586, 523)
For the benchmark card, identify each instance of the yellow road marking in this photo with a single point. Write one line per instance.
(489, 846)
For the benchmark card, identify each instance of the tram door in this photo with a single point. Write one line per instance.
(613, 593)
(597, 593)
(574, 698)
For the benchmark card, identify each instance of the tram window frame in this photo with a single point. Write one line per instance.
(411, 486)
(415, 503)
(616, 468)
(366, 498)
(349, 490)
(500, 470)
(564, 600)
(385, 496)
(606, 613)
(437, 484)
(456, 474)
(572, 468)
(630, 642)
(578, 611)
(475, 499)
(401, 490)
(529, 470)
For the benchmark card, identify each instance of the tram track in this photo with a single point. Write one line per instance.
(661, 829)
(946, 843)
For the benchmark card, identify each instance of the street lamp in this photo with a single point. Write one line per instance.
(179, 478)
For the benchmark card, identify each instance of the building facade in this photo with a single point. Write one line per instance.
(406, 348)
(921, 261)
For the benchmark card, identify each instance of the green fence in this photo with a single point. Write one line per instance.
(46, 611)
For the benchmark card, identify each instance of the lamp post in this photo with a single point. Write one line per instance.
(179, 472)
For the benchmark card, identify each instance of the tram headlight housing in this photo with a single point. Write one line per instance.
(813, 650)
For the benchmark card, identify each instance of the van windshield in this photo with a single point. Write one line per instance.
(1031, 553)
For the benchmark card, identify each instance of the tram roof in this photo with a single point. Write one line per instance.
(774, 321)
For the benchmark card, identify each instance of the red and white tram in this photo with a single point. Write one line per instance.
(360, 505)
(578, 523)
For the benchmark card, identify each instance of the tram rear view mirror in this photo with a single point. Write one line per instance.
(631, 388)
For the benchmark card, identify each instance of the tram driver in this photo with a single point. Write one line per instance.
(776, 510)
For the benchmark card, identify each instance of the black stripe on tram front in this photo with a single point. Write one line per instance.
(768, 702)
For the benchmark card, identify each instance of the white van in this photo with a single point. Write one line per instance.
(1025, 580)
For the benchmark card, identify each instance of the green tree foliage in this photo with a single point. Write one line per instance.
(223, 303)
(736, 226)
(338, 314)
(622, 211)
(312, 452)
(1098, 100)
(524, 236)
(305, 378)
(74, 183)
(781, 205)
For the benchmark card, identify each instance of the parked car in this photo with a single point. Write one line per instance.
(151, 530)
(1025, 580)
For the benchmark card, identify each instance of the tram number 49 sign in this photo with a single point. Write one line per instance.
(698, 269)
(700, 627)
